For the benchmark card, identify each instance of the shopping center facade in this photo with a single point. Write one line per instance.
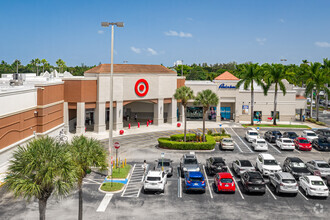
(45, 104)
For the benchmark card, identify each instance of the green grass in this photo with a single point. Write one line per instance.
(121, 173)
(115, 187)
(275, 126)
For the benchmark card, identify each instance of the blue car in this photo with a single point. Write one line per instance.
(194, 181)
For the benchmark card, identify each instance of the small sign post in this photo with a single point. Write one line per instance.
(162, 155)
(116, 146)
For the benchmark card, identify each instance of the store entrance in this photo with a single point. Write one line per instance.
(225, 113)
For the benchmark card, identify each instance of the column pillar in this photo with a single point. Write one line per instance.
(171, 112)
(99, 116)
(80, 129)
(66, 117)
(159, 112)
(118, 116)
(218, 119)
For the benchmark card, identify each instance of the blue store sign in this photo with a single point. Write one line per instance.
(223, 86)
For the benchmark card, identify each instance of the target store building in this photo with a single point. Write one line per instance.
(141, 93)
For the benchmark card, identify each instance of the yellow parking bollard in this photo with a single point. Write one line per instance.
(125, 162)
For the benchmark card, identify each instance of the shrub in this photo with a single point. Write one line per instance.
(220, 134)
(170, 144)
(179, 137)
(320, 123)
(219, 138)
(209, 132)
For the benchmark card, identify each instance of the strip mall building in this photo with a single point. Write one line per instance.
(44, 105)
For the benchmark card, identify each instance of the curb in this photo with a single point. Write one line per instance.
(184, 150)
(118, 191)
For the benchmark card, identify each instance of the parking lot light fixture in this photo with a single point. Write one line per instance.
(107, 24)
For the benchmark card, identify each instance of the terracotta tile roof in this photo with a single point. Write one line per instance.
(300, 97)
(130, 68)
(226, 76)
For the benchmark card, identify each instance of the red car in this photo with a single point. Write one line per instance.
(224, 182)
(302, 144)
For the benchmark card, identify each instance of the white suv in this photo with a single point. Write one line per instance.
(259, 144)
(267, 164)
(309, 135)
(250, 135)
(155, 181)
(285, 144)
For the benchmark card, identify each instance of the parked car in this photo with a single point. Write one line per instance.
(267, 164)
(164, 164)
(323, 133)
(227, 144)
(314, 186)
(285, 144)
(259, 144)
(327, 180)
(194, 181)
(296, 167)
(224, 182)
(310, 135)
(215, 165)
(155, 181)
(241, 166)
(284, 183)
(318, 168)
(272, 136)
(321, 143)
(188, 163)
(290, 134)
(251, 135)
(302, 143)
(253, 181)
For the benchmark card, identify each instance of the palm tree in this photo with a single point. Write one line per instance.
(184, 94)
(16, 63)
(37, 62)
(44, 62)
(33, 62)
(206, 98)
(274, 74)
(41, 169)
(61, 64)
(250, 73)
(86, 153)
(318, 78)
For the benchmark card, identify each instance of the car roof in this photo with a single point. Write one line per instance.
(189, 156)
(267, 156)
(294, 159)
(301, 138)
(319, 161)
(225, 175)
(195, 174)
(308, 131)
(252, 131)
(154, 173)
(314, 177)
(285, 175)
(260, 139)
(253, 174)
(227, 139)
(218, 159)
(287, 139)
(290, 132)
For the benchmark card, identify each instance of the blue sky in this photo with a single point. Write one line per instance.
(161, 32)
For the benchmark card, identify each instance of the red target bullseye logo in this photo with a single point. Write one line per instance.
(141, 87)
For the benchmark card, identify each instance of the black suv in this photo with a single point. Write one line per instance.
(272, 136)
(321, 143)
(290, 134)
(216, 165)
(323, 133)
(253, 181)
(295, 166)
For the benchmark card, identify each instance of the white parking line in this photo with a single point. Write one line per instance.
(297, 151)
(273, 147)
(105, 202)
(235, 183)
(238, 147)
(271, 193)
(93, 181)
(302, 195)
(128, 181)
(242, 140)
(207, 181)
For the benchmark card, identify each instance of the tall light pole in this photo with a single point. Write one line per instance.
(107, 24)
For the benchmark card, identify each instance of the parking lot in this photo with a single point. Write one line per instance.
(175, 203)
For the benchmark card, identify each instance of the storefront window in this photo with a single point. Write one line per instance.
(257, 115)
(194, 112)
(277, 115)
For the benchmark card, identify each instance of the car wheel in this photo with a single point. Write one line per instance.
(277, 190)
(306, 192)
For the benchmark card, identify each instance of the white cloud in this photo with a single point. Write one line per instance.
(151, 51)
(190, 19)
(136, 50)
(322, 44)
(177, 34)
(282, 20)
(100, 32)
(261, 41)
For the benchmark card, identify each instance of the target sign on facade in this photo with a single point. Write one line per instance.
(141, 87)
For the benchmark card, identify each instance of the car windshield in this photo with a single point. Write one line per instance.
(323, 165)
(246, 163)
(153, 178)
(287, 141)
(303, 141)
(165, 164)
(270, 162)
(326, 133)
(190, 161)
(276, 133)
(256, 180)
(261, 142)
(317, 183)
(196, 179)
(323, 141)
(311, 134)
(253, 133)
(227, 141)
(288, 181)
(298, 164)
(292, 134)
(226, 180)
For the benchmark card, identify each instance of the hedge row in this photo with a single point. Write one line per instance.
(178, 137)
(221, 134)
(219, 138)
(316, 122)
(169, 144)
